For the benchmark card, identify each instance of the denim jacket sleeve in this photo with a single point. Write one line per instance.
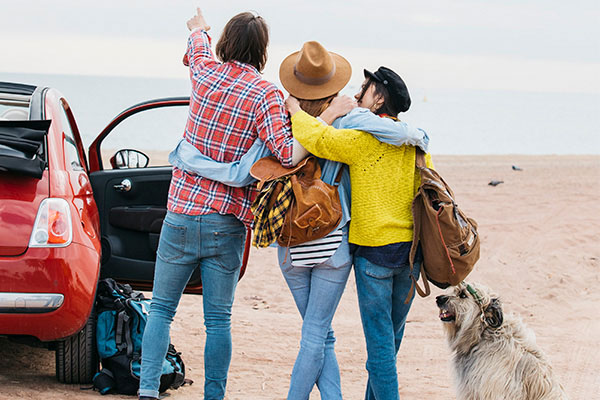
(237, 174)
(385, 130)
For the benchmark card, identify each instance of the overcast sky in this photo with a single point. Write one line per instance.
(535, 45)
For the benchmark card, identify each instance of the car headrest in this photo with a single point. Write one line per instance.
(15, 114)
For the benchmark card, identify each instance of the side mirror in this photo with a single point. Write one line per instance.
(129, 158)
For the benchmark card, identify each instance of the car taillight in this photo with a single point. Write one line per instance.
(52, 226)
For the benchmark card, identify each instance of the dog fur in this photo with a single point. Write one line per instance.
(495, 356)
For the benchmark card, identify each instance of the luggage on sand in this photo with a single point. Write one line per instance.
(122, 315)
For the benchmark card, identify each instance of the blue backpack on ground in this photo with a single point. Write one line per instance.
(122, 315)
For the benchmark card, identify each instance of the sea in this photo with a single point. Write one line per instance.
(470, 122)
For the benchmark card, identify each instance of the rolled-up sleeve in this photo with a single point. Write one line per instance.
(273, 126)
(199, 53)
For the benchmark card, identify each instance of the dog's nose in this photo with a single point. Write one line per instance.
(441, 300)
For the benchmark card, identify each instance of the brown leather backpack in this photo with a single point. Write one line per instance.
(448, 238)
(315, 210)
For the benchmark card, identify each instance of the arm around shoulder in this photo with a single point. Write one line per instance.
(325, 141)
(273, 125)
(387, 130)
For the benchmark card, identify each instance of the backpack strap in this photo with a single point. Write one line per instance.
(179, 378)
(338, 177)
(104, 381)
(426, 290)
(420, 158)
(123, 330)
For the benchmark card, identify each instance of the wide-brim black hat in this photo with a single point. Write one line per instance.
(395, 86)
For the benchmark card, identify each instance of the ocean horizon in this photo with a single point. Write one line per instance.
(458, 122)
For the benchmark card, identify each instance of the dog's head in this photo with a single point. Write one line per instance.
(468, 309)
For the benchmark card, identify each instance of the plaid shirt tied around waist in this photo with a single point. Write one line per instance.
(269, 209)
(230, 107)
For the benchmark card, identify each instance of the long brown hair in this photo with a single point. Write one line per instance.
(244, 39)
(316, 107)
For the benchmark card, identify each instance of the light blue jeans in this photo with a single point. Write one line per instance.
(317, 291)
(381, 295)
(215, 243)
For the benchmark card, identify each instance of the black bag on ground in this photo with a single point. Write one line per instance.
(122, 315)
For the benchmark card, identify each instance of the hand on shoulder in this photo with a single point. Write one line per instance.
(292, 105)
(339, 106)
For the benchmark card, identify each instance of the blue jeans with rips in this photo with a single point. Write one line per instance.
(381, 295)
(317, 291)
(215, 243)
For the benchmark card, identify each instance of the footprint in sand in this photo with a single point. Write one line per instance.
(258, 303)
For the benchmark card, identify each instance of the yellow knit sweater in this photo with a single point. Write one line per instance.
(383, 179)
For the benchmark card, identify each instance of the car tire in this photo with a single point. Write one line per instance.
(77, 356)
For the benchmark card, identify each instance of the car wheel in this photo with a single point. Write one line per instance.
(77, 356)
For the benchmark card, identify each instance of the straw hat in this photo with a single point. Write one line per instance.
(314, 73)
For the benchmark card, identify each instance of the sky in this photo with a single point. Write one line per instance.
(524, 45)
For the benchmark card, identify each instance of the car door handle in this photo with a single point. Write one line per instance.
(124, 186)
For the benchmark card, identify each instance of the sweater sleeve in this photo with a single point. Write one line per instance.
(325, 141)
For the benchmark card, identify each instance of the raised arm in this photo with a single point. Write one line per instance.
(198, 52)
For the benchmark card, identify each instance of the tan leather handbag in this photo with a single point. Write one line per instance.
(448, 238)
(315, 210)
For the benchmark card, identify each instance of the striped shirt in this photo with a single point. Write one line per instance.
(316, 251)
(230, 106)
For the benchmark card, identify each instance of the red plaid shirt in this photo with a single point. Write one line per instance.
(231, 105)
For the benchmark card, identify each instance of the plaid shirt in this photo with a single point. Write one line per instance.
(269, 217)
(230, 106)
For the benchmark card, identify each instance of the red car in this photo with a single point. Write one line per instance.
(65, 223)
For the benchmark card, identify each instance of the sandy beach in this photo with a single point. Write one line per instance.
(540, 230)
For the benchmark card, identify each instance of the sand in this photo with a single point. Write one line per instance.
(540, 252)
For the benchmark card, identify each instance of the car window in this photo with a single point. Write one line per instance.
(71, 153)
(154, 132)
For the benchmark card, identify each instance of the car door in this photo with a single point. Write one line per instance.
(130, 177)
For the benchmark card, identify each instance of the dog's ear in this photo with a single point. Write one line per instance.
(493, 314)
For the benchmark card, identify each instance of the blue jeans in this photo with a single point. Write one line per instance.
(215, 243)
(381, 295)
(317, 291)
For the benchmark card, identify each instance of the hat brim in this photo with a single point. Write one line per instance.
(369, 74)
(301, 90)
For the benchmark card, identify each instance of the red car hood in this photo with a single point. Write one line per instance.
(20, 198)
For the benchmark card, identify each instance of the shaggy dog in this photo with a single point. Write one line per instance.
(494, 355)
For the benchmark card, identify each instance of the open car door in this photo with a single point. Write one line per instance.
(130, 177)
